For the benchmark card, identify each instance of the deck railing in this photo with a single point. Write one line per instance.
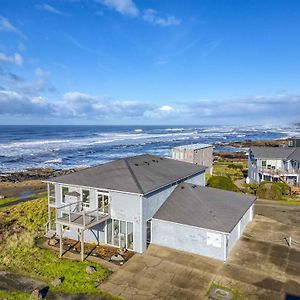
(279, 172)
(76, 214)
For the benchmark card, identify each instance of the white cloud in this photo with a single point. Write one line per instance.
(13, 103)
(277, 107)
(282, 108)
(129, 8)
(15, 59)
(7, 26)
(150, 15)
(48, 8)
(39, 72)
(125, 7)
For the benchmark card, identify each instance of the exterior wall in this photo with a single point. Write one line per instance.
(201, 156)
(198, 179)
(189, 238)
(204, 157)
(124, 207)
(237, 231)
(153, 202)
(128, 207)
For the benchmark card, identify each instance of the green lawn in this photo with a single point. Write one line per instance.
(8, 200)
(18, 252)
(14, 295)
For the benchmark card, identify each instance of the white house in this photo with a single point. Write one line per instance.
(274, 164)
(135, 201)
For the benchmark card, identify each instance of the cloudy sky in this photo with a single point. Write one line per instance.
(149, 62)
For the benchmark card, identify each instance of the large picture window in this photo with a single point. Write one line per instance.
(119, 233)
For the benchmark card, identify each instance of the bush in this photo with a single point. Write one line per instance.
(223, 183)
(272, 190)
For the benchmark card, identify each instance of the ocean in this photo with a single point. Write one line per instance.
(63, 147)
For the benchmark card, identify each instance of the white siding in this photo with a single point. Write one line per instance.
(189, 238)
(235, 234)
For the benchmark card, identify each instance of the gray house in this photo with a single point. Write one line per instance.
(135, 201)
(274, 164)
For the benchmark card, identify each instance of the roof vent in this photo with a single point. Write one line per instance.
(182, 187)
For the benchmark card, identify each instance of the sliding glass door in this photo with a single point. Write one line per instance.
(119, 233)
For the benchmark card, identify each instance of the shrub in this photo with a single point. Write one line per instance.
(272, 190)
(223, 183)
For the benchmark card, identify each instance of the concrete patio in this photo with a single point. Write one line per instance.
(261, 266)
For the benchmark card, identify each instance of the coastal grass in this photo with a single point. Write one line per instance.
(234, 170)
(19, 254)
(21, 225)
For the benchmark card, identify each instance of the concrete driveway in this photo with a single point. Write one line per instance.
(261, 265)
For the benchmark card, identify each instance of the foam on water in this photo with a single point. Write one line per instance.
(76, 146)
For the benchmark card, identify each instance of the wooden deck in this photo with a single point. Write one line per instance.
(82, 220)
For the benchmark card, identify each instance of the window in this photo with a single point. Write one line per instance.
(116, 232)
(119, 233)
(108, 231)
(65, 191)
(85, 198)
(149, 232)
(122, 234)
(264, 163)
(103, 202)
(129, 235)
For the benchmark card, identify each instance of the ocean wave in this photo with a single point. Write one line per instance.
(54, 161)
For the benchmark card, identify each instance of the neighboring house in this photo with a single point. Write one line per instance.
(199, 154)
(274, 164)
(135, 201)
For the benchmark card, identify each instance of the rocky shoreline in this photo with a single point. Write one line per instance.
(43, 174)
(33, 174)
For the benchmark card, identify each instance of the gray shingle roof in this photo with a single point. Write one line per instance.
(295, 155)
(139, 174)
(205, 207)
(272, 152)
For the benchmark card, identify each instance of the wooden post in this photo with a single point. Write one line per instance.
(49, 210)
(82, 244)
(60, 242)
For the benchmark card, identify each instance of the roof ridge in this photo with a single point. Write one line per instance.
(133, 176)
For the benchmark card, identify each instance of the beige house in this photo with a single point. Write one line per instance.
(199, 154)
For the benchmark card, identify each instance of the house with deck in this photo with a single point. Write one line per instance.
(134, 201)
(275, 164)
